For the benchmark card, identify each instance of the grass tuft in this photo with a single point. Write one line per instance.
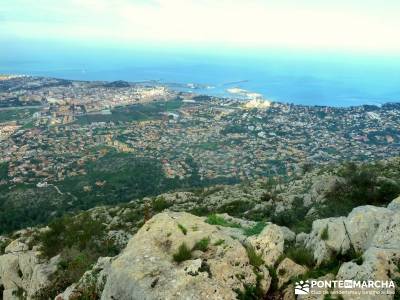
(202, 245)
(183, 253)
(256, 229)
(217, 220)
(182, 228)
(301, 255)
(254, 258)
(325, 234)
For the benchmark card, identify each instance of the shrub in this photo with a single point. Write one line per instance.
(132, 215)
(183, 253)
(267, 196)
(259, 215)
(200, 211)
(256, 229)
(80, 232)
(159, 204)
(301, 255)
(217, 220)
(90, 291)
(362, 184)
(80, 241)
(236, 208)
(182, 228)
(296, 218)
(202, 245)
(74, 263)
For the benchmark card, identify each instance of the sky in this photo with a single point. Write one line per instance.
(370, 26)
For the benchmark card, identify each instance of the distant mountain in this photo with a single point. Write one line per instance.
(117, 84)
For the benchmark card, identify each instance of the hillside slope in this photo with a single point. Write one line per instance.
(250, 241)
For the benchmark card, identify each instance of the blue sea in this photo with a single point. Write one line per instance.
(308, 78)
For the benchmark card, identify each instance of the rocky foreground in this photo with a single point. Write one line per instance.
(248, 241)
(176, 255)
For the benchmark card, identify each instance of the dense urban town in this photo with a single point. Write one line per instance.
(50, 128)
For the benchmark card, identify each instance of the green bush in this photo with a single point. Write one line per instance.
(362, 185)
(217, 220)
(256, 229)
(80, 241)
(199, 211)
(301, 255)
(259, 215)
(183, 253)
(296, 218)
(236, 208)
(159, 204)
(202, 245)
(81, 232)
(90, 291)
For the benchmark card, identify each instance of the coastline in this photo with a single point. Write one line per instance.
(213, 90)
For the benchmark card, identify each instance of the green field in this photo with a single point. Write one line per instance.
(18, 115)
(212, 146)
(137, 112)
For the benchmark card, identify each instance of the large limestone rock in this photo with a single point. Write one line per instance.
(336, 239)
(270, 242)
(288, 269)
(380, 259)
(387, 235)
(377, 265)
(362, 224)
(21, 269)
(374, 232)
(364, 227)
(146, 268)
